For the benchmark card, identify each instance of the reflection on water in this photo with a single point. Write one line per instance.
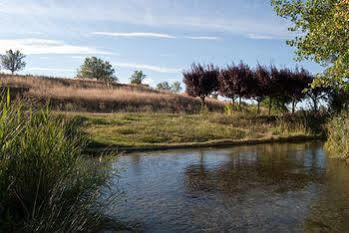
(264, 188)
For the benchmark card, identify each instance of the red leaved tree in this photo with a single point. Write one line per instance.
(201, 80)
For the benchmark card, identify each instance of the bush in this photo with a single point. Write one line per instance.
(45, 183)
(338, 137)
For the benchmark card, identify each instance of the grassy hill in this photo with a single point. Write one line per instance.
(97, 96)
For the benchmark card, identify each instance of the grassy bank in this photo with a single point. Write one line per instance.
(98, 96)
(46, 184)
(156, 129)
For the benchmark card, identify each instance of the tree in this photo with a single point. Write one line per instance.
(176, 87)
(163, 86)
(299, 80)
(13, 61)
(323, 37)
(97, 68)
(236, 81)
(317, 94)
(261, 85)
(201, 80)
(137, 77)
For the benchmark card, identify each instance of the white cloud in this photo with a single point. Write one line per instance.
(78, 57)
(147, 67)
(135, 34)
(202, 37)
(153, 35)
(34, 46)
(141, 12)
(260, 37)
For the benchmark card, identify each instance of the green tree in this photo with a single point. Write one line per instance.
(13, 61)
(137, 77)
(163, 86)
(323, 27)
(176, 87)
(97, 68)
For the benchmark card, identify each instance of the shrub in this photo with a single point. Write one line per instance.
(45, 183)
(338, 136)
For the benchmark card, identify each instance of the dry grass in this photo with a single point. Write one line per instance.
(96, 96)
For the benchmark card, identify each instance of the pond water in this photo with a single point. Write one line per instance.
(264, 188)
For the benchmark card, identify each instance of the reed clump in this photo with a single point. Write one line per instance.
(46, 184)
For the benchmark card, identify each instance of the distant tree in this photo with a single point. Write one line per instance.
(261, 85)
(13, 61)
(97, 68)
(176, 87)
(137, 77)
(201, 80)
(163, 86)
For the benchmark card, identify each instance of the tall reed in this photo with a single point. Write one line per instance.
(338, 137)
(46, 185)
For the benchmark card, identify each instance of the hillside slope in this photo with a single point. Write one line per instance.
(96, 96)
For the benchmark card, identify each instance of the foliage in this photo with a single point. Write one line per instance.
(45, 183)
(338, 134)
(201, 80)
(13, 61)
(96, 68)
(137, 77)
(165, 86)
(322, 37)
(261, 85)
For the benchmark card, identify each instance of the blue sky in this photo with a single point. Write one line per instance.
(160, 37)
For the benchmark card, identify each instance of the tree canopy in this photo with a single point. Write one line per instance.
(13, 60)
(201, 80)
(137, 77)
(322, 27)
(94, 67)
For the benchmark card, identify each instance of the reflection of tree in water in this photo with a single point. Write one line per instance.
(238, 194)
(330, 212)
(282, 170)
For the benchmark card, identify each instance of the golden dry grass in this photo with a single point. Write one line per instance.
(96, 96)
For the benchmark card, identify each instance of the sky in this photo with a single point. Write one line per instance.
(160, 37)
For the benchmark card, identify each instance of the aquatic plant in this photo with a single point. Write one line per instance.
(46, 185)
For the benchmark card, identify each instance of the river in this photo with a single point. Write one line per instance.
(263, 188)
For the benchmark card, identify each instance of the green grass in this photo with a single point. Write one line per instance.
(148, 129)
(46, 184)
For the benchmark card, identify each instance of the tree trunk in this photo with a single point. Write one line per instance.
(258, 106)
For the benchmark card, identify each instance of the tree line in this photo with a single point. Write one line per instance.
(281, 87)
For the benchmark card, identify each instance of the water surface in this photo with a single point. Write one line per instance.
(264, 188)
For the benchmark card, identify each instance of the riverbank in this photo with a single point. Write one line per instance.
(208, 144)
(128, 132)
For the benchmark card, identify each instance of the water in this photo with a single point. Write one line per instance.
(264, 188)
